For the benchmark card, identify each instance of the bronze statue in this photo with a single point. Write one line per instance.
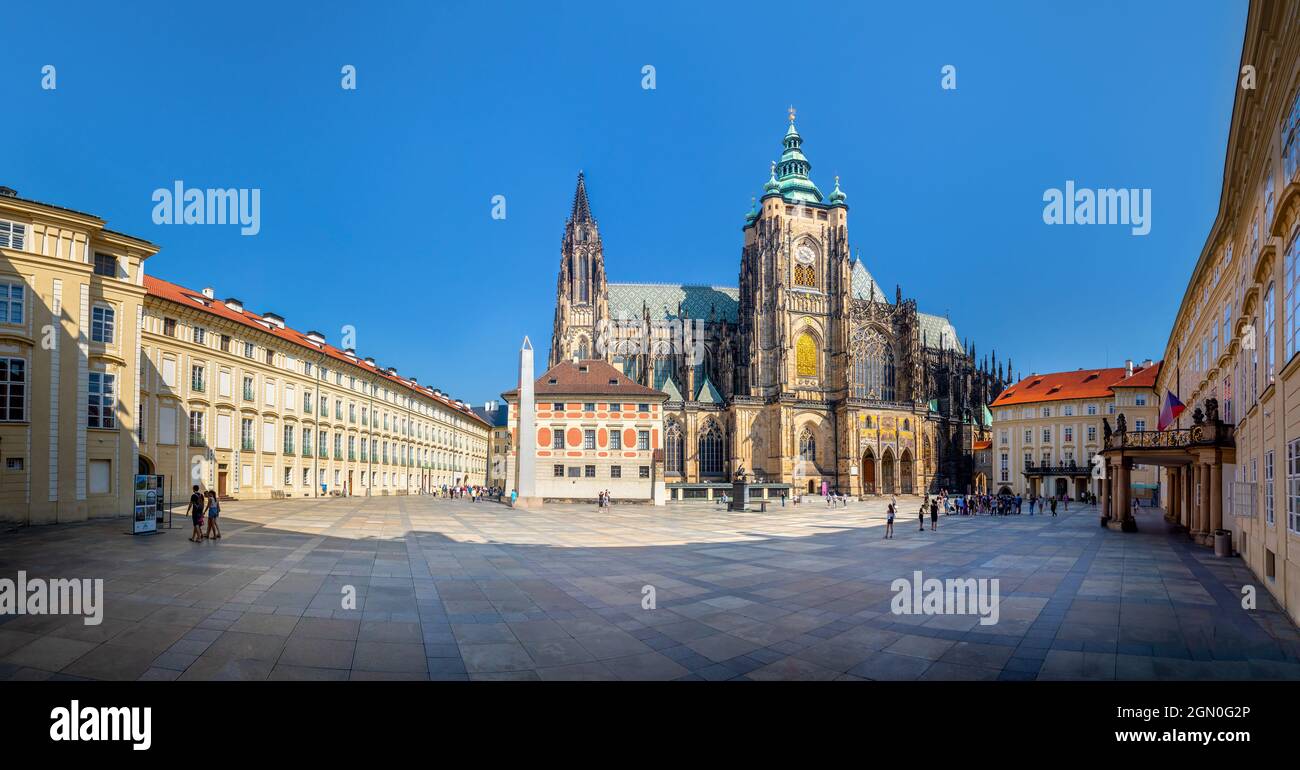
(1212, 410)
(1121, 423)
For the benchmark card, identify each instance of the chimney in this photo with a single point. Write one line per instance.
(210, 292)
(1147, 364)
(1128, 368)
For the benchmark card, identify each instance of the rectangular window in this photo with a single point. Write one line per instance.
(557, 438)
(12, 235)
(1268, 486)
(644, 471)
(101, 405)
(616, 471)
(589, 407)
(1269, 313)
(288, 440)
(589, 471)
(589, 439)
(106, 265)
(248, 350)
(1139, 425)
(575, 471)
(643, 440)
(1140, 400)
(248, 388)
(197, 382)
(1047, 434)
(12, 301)
(1069, 434)
(246, 434)
(1092, 433)
(225, 343)
(101, 324)
(200, 335)
(1069, 410)
(616, 438)
(13, 389)
(1029, 436)
(1092, 409)
(1293, 486)
(198, 436)
(557, 407)
(169, 327)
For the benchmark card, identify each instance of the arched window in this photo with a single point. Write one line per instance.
(806, 276)
(583, 295)
(873, 375)
(805, 356)
(582, 348)
(673, 448)
(807, 446)
(710, 450)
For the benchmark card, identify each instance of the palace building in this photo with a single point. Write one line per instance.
(1048, 427)
(807, 374)
(106, 372)
(1230, 463)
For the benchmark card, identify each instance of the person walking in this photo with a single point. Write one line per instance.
(196, 514)
(921, 516)
(1053, 506)
(214, 510)
(889, 522)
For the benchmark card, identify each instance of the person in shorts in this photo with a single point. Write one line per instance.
(196, 514)
(214, 510)
(889, 522)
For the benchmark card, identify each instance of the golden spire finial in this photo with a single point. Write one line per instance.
(792, 113)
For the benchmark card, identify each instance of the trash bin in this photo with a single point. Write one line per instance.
(1222, 542)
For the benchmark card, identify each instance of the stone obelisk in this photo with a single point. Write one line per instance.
(526, 458)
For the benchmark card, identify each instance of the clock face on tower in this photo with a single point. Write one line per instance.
(804, 255)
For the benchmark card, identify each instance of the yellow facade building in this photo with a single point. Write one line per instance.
(106, 372)
(1047, 427)
(1232, 459)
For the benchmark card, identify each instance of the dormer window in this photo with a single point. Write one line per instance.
(106, 265)
(12, 235)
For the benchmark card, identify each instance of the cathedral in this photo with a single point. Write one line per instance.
(805, 373)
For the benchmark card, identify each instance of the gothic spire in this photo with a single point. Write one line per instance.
(581, 208)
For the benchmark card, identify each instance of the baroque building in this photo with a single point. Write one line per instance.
(805, 374)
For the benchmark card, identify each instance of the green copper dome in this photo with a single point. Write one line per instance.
(772, 187)
(793, 168)
(837, 195)
(753, 212)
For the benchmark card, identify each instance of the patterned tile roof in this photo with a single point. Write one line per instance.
(626, 299)
(697, 301)
(588, 377)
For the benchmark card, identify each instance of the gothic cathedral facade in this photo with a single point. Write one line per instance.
(804, 374)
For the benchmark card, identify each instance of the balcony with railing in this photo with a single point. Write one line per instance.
(1063, 469)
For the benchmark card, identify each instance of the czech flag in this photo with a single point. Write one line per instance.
(1170, 411)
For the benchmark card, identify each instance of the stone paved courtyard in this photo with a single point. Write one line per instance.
(454, 590)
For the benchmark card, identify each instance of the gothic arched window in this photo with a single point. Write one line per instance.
(806, 276)
(673, 448)
(582, 348)
(583, 295)
(805, 356)
(710, 450)
(873, 375)
(807, 446)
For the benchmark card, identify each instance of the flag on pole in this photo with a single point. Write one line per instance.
(1170, 411)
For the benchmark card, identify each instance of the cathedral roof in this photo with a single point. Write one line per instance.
(581, 207)
(939, 332)
(864, 283)
(587, 377)
(674, 393)
(708, 394)
(663, 299)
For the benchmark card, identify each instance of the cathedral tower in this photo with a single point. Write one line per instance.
(795, 284)
(582, 296)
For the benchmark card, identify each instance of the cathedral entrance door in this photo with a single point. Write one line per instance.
(905, 472)
(868, 474)
(887, 473)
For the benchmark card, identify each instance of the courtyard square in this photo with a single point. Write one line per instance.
(453, 590)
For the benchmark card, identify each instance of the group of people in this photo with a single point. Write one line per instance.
(603, 499)
(929, 506)
(474, 492)
(204, 505)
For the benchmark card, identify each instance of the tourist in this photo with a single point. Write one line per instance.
(889, 522)
(921, 516)
(196, 513)
(514, 497)
(1053, 506)
(214, 510)
(934, 515)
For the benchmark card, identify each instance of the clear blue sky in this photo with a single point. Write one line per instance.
(376, 202)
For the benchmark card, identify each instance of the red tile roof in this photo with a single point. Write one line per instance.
(978, 445)
(1083, 383)
(1142, 378)
(194, 300)
(592, 377)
